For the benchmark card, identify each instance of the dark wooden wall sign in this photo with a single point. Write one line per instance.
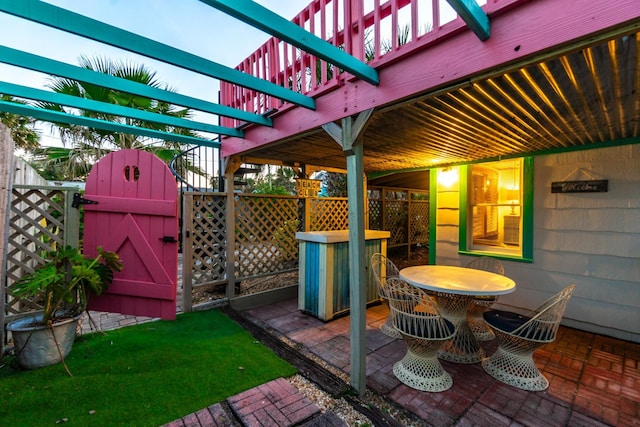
(594, 186)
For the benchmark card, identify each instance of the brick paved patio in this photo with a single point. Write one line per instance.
(274, 404)
(594, 380)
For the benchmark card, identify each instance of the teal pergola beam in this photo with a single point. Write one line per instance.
(474, 16)
(112, 109)
(49, 66)
(262, 18)
(56, 117)
(62, 19)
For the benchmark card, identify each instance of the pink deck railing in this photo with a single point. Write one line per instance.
(377, 32)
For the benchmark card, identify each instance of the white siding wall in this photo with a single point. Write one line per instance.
(590, 239)
(447, 220)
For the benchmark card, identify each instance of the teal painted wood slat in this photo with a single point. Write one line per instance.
(474, 16)
(341, 271)
(112, 109)
(312, 277)
(337, 271)
(54, 116)
(83, 26)
(372, 247)
(49, 66)
(341, 299)
(260, 17)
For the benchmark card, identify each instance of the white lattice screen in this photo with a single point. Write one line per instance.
(208, 253)
(40, 219)
(265, 227)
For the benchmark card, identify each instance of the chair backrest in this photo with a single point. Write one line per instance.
(383, 268)
(545, 319)
(414, 313)
(487, 264)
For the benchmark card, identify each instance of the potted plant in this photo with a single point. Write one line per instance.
(61, 285)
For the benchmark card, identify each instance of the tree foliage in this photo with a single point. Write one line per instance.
(83, 145)
(280, 182)
(334, 183)
(22, 128)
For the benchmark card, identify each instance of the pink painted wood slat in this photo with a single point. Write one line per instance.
(124, 204)
(137, 208)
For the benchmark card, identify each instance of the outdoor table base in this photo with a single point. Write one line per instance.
(463, 347)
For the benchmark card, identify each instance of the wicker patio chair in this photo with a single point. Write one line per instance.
(383, 268)
(481, 304)
(519, 336)
(415, 315)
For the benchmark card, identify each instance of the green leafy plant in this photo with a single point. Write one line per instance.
(62, 283)
(284, 239)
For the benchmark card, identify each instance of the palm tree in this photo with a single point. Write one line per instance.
(21, 127)
(83, 145)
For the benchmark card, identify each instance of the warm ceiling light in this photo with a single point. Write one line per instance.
(448, 176)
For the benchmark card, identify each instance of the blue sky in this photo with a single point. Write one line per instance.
(186, 24)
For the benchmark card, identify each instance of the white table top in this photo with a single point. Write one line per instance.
(457, 280)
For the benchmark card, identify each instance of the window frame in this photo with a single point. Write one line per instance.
(526, 253)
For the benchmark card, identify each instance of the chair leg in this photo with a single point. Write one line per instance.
(388, 329)
(514, 365)
(420, 368)
(477, 324)
(480, 329)
(475, 319)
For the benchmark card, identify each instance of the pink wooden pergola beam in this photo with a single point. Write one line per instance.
(519, 32)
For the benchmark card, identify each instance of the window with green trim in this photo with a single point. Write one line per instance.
(495, 208)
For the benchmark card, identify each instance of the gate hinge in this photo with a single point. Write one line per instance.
(79, 200)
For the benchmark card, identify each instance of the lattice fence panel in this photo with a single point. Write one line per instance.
(265, 235)
(209, 237)
(395, 220)
(419, 221)
(36, 226)
(329, 213)
(375, 214)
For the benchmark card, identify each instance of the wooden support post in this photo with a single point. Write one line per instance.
(306, 219)
(357, 263)
(231, 166)
(187, 252)
(6, 180)
(350, 138)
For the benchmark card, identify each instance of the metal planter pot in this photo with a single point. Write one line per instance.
(35, 346)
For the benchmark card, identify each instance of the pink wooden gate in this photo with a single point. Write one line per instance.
(136, 216)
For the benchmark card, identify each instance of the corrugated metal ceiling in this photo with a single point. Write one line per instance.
(582, 98)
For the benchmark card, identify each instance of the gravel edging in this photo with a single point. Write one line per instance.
(325, 385)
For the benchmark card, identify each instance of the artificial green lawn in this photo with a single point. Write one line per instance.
(143, 375)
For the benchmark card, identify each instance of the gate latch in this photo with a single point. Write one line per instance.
(168, 239)
(79, 200)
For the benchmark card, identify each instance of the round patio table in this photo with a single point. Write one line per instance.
(454, 288)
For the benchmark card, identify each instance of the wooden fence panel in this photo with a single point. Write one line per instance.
(329, 213)
(265, 227)
(265, 235)
(204, 248)
(6, 178)
(401, 211)
(419, 218)
(40, 219)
